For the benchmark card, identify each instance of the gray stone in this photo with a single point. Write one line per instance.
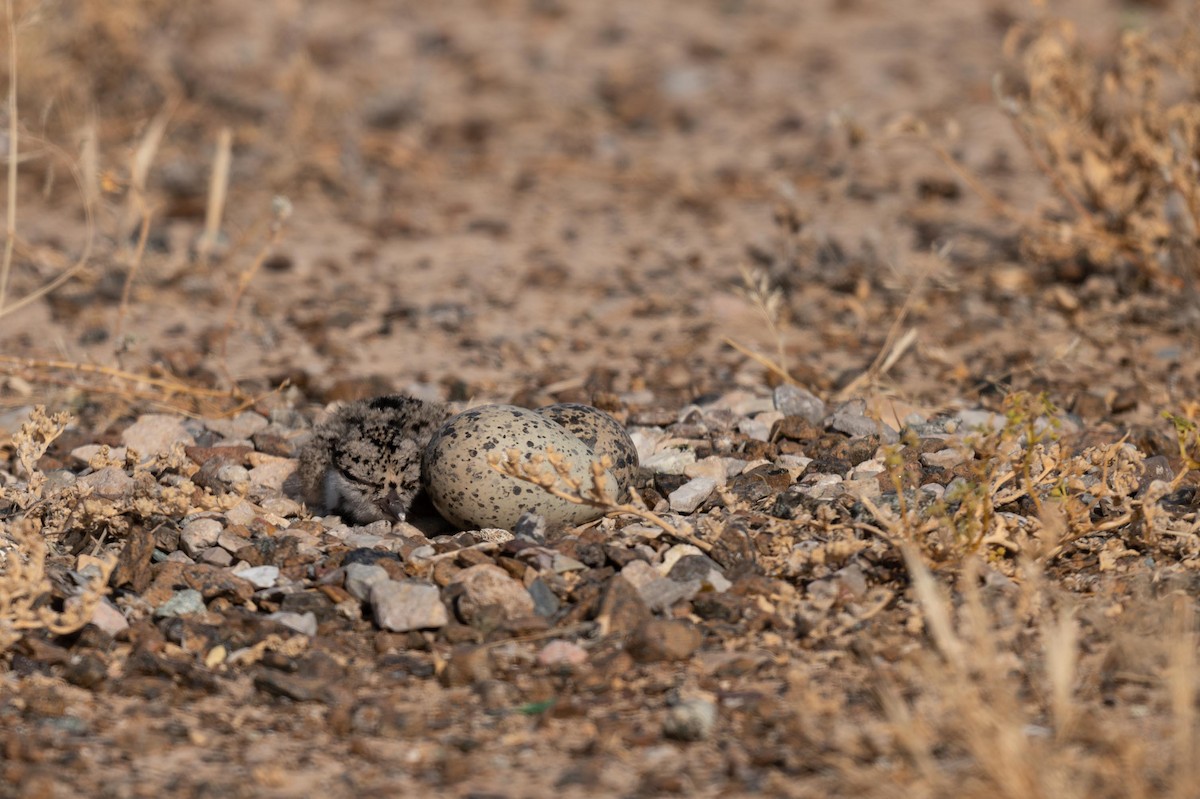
(406, 605)
(85, 453)
(565, 563)
(691, 494)
(231, 543)
(360, 577)
(303, 623)
(850, 418)
(758, 428)
(656, 591)
(545, 602)
(485, 585)
(215, 556)
(183, 603)
(271, 475)
(260, 576)
(944, 458)
(280, 506)
(690, 720)
(242, 513)
(233, 474)
(792, 400)
(970, 421)
(198, 535)
(11, 421)
(663, 593)
(155, 433)
(109, 483)
(240, 427)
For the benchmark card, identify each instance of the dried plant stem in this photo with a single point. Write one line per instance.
(1181, 683)
(114, 373)
(997, 205)
(10, 226)
(761, 359)
(218, 188)
(134, 266)
(82, 261)
(550, 472)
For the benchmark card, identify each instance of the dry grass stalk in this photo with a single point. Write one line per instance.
(10, 227)
(131, 274)
(164, 392)
(218, 189)
(550, 472)
(1181, 684)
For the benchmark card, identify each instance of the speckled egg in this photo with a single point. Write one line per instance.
(601, 433)
(470, 493)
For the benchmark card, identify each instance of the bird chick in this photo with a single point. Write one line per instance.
(364, 462)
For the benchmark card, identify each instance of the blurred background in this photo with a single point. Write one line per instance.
(639, 201)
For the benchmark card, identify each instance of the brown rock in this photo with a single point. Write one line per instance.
(133, 564)
(488, 584)
(210, 581)
(467, 665)
(664, 640)
(622, 609)
(201, 455)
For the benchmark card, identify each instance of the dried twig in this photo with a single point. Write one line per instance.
(550, 472)
(10, 227)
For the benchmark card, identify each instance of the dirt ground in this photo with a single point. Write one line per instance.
(665, 209)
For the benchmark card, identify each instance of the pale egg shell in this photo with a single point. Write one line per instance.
(602, 434)
(469, 492)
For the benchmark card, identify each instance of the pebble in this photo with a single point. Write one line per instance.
(485, 585)
(944, 458)
(182, 603)
(242, 513)
(759, 427)
(239, 427)
(670, 461)
(108, 618)
(360, 577)
(850, 418)
(657, 592)
(154, 434)
(303, 623)
(231, 543)
(645, 441)
(199, 534)
(545, 602)
(271, 475)
(559, 653)
(791, 400)
(718, 468)
(215, 556)
(234, 475)
(85, 453)
(690, 720)
(108, 483)
(689, 496)
(658, 640)
(260, 576)
(403, 605)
